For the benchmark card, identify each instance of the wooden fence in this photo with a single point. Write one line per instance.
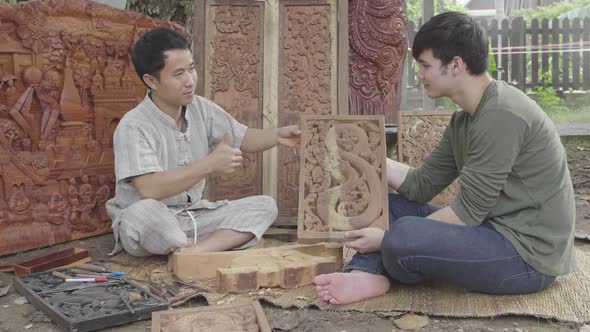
(530, 54)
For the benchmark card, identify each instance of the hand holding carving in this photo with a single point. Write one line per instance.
(224, 159)
(365, 239)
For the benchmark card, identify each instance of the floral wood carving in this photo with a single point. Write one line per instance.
(246, 317)
(342, 182)
(65, 81)
(305, 73)
(378, 36)
(419, 132)
(235, 68)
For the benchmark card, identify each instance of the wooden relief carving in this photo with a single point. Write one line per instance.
(245, 317)
(65, 81)
(343, 184)
(189, 266)
(285, 269)
(235, 76)
(305, 83)
(378, 37)
(418, 134)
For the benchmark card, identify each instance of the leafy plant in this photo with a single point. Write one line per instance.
(547, 98)
(554, 10)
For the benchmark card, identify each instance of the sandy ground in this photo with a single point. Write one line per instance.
(15, 317)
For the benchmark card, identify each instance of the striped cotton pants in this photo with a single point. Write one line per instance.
(148, 227)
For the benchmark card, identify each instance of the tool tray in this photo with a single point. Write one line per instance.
(98, 306)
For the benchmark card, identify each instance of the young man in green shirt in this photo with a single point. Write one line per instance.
(511, 228)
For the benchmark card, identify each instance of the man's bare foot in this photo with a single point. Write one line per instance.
(345, 288)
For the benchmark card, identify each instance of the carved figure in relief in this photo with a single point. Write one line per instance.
(173, 143)
(18, 202)
(87, 202)
(103, 193)
(58, 209)
(515, 198)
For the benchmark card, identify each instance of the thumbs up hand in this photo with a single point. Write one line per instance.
(224, 159)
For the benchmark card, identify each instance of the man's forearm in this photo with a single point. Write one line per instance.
(396, 173)
(161, 185)
(446, 215)
(257, 140)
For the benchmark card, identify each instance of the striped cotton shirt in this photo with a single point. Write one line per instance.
(148, 140)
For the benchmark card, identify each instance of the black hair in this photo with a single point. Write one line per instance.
(454, 34)
(148, 52)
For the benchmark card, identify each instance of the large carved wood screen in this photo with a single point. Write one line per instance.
(378, 35)
(66, 80)
(343, 181)
(419, 132)
(267, 63)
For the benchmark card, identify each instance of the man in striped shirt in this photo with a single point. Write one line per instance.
(162, 159)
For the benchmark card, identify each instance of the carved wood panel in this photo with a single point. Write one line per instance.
(234, 76)
(378, 37)
(419, 132)
(65, 81)
(343, 180)
(266, 63)
(306, 51)
(247, 316)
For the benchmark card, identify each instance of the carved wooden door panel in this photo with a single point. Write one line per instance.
(419, 132)
(66, 80)
(267, 63)
(233, 76)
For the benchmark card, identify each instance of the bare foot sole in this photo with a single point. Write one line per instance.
(345, 288)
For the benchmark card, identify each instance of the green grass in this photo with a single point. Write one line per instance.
(579, 115)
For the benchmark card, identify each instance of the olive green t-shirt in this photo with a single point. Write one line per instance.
(513, 173)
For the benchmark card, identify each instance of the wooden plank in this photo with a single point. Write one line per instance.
(545, 42)
(534, 54)
(565, 55)
(343, 180)
(343, 49)
(586, 58)
(493, 35)
(505, 44)
(576, 64)
(212, 318)
(555, 53)
(270, 97)
(409, 59)
(189, 266)
(517, 44)
(199, 33)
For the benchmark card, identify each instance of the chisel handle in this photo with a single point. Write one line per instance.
(91, 267)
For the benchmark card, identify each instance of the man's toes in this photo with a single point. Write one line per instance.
(333, 301)
(322, 279)
(327, 297)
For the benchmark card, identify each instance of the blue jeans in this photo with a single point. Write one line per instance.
(477, 258)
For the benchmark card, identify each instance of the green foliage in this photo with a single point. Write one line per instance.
(168, 10)
(547, 98)
(492, 67)
(414, 8)
(554, 10)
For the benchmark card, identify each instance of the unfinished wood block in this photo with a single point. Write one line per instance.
(232, 317)
(285, 269)
(419, 132)
(342, 182)
(189, 266)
